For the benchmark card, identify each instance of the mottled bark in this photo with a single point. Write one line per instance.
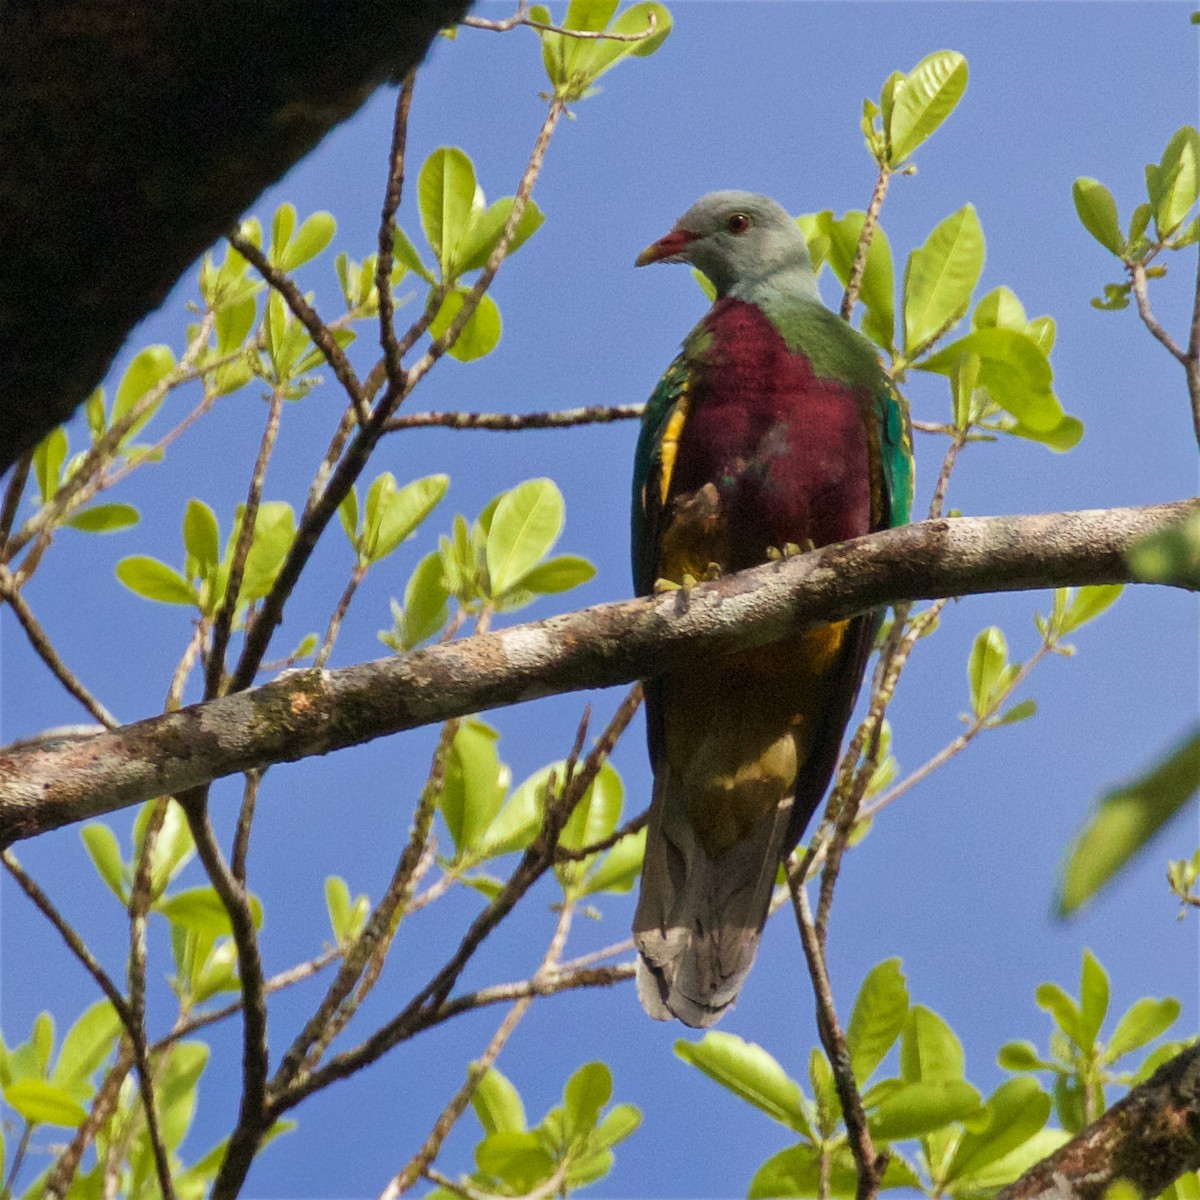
(1148, 1139)
(313, 711)
(133, 134)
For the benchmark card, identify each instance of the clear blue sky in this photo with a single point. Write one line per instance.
(956, 879)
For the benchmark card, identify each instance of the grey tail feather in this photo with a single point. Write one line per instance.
(699, 919)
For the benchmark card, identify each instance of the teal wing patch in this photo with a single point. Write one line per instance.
(896, 452)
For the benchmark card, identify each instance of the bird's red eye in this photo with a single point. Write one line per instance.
(737, 222)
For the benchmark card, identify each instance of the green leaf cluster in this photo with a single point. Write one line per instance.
(464, 233)
(962, 1145)
(204, 580)
(1158, 223)
(1080, 1064)
(570, 1148)
(573, 64)
(44, 1090)
(912, 106)
(485, 819)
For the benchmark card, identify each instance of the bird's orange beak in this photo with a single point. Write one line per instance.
(670, 248)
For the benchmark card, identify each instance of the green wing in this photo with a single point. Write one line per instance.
(653, 462)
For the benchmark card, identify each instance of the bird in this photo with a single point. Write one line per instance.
(776, 429)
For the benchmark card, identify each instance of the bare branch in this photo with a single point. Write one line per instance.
(600, 414)
(1137, 274)
(310, 712)
(387, 233)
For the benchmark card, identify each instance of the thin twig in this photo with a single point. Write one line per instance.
(307, 316)
(315, 1037)
(223, 624)
(87, 479)
(252, 1121)
(431, 1002)
(357, 575)
(519, 18)
(241, 836)
(387, 233)
(40, 641)
(1192, 365)
(1137, 274)
(864, 243)
(599, 414)
(13, 494)
(870, 1166)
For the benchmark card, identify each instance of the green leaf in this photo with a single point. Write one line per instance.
(1020, 1056)
(474, 785)
(172, 848)
(1021, 711)
(1018, 1108)
(200, 909)
(1098, 211)
(1087, 604)
(1011, 1166)
(339, 907)
(48, 461)
(987, 667)
(1124, 820)
(484, 233)
(105, 852)
(393, 514)
(43, 1103)
(311, 238)
(1093, 998)
(917, 1109)
(595, 816)
(177, 1091)
(877, 289)
(274, 532)
(518, 822)
(930, 92)
(1170, 556)
(104, 518)
(619, 868)
(750, 1073)
(154, 580)
(526, 524)
(406, 254)
(446, 194)
(940, 277)
(1145, 1020)
(1064, 436)
(515, 1156)
(425, 601)
(497, 1104)
(147, 370)
(797, 1171)
(618, 1123)
(201, 537)
(929, 1049)
(87, 1045)
(999, 309)
(558, 574)
(1063, 1009)
(1178, 181)
(479, 336)
(877, 1019)
(282, 225)
(588, 1090)
(348, 515)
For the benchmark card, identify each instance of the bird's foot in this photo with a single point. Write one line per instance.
(790, 550)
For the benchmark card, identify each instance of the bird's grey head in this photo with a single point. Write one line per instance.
(740, 240)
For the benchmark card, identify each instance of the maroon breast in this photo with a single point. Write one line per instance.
(785, 449)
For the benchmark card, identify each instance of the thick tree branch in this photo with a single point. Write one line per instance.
(1148, 1139)
(304, 713)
